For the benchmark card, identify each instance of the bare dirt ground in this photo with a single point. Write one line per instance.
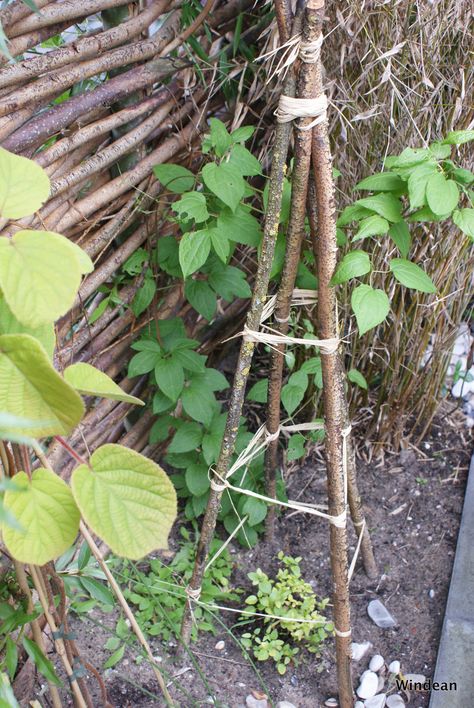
(413, 503)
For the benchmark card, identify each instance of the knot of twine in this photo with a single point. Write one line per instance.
(290, 108)
(193, 593)
(310, 52)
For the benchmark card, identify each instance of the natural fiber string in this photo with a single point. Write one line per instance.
(290, 108)
(272, 337)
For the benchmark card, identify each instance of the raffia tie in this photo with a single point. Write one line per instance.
(290, 108)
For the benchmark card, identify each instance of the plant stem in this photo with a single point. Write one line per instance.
(270, 232)
(325, 247)
(299, 187)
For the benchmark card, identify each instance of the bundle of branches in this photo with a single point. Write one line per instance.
(101, 92)
(400, 75)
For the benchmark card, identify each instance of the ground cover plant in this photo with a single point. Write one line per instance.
(174, 280)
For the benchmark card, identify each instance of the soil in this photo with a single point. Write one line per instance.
(413, 503)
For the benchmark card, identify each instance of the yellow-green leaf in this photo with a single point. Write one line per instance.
(91, 382)
(85, 263)
(10, 325)
(24, 186)
(126, 499)
(30, 388)
(39, 275)
(48, 516)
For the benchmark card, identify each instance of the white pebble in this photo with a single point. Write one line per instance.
(395, 701)
(358, 704)
(252, 702)
(368, 685)
(377, 701)
(360, 650)
(220, 645)
(394, 667)
(376, 662)
(331, 703)
(285, 704)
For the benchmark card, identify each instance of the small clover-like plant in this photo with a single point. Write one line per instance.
(282, 601)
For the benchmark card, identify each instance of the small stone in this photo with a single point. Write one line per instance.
(394, 667)
(395, 701)
(252, 702)
(376, 662)
(431, 594)
(368, 685)
(360, 650)
(377, 701)
(285, 704)
(415, 678)
(379, 614)
(331, 703)
(220, 646)
(358, 704)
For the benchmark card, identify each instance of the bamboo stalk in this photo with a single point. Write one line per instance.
(270, 232)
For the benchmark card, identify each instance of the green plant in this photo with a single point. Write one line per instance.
(286, 596)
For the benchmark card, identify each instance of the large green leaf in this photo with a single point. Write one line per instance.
(400, 235)
(126, 499)
(174, 177)
(226, 182)
(459, 137)
(385, 205)
(192, 205)
(381, 182)
(10, 325)
(442, 194)
(92, 382)
(24, 186)
(239, 226)
(169, 377)
(194, 249)
(371, 306)
(31, 388)
(44, 665)
(371, 226)
(48, 516)
(354, 264)
(411, 276)
(39, 275)
(464, 219)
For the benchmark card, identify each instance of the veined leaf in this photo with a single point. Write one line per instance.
(169, 377)
(45, 396)
(49, 518)
(39, 276)
(371, 306)
(400, 235)
(464, 219)
(91, 382)
(192, 205)
(381, 182)
(24, 186)
(459, 137)
(371, 226)
(353, 265)
(174, 177)
(411, 276)
(10, 325)
(442, 194)
(194, 249)
(126, 499)
(43, 664)
(385, 205)
(356, 377)
(225, 181)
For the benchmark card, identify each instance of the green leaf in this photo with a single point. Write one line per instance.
(259, 392)
(24, 186)
(400, 235)
(220, 244)
(371, 306)
(89, 381)
(464, 219)
(126, 499)
(44, 666)
(115, 657)
(214, 380)
(239, 226)
(162, 403)
(408, 158)
(440, 150)
(314, 366)
(31, 388)
(219, 137)
(296, 447)
(356, 377)
(192, 205)
(225, 182)
(255, 509)
(39, 276)
(199, 401)
(411, 275)
(442, 194)
(425, 214)
(243, 160)
(169, 377)
(197, 480)
(463, 176)
(459, 137)
(188, 437)
(49, 519)
(11, 657)
(202, 297)
(191, 361)
(145, 360)
(385, 205)
(353, 265)
(417, 182)
(241, 135)
(174, 177)
(291, 397)
(229, 282)
(381, 182)
(371, 226)
(144, 296)
(97, 590)
(10, 325)
(353, 212)
(194, 249)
